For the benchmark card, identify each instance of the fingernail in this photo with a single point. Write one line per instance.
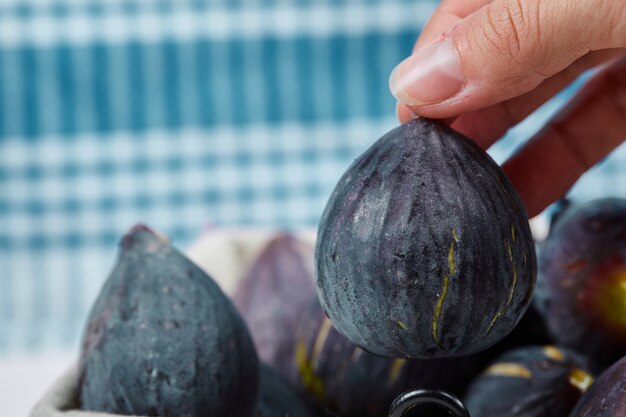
(432, 74)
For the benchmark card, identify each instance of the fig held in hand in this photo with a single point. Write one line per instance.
(424, 249)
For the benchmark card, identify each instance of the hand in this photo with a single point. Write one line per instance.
(489, 63)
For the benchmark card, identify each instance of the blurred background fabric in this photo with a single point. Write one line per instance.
(182, 114)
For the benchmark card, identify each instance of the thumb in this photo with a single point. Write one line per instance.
(504, 49)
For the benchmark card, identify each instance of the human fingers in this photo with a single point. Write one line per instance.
(503, 50)
(579, 136)
(488, 125)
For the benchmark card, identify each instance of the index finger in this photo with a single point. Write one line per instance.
(580, 135)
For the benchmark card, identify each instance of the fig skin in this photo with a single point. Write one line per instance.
(530, 330)
(273, 299)
(278, 301)
(607, 396)
(533, 381)
(278, 399)
(582, 279)
(424, 249)
(162, 339)
(338, 376)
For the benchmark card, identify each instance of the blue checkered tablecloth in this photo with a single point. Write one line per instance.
(182, 113)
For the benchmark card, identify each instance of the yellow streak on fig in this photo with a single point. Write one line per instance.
(311, 382)
(509, 300)
(356, 354)
(394, 371)
(513, 233)
(509, 369)
(322, 335)
(402, 325)
(554, 353)
(451, 259)
(580, 379)
(444, 291)
(438, 307)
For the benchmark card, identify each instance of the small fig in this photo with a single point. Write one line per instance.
(582, 279)
(537, 381)
(607, 396)
(163, 340)
(274, 296)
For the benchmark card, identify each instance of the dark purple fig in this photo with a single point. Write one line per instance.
(424, 249)
(530, 382)
(162, 339)
(339, 377)
(278, 399)
(558, 209)
(607, 396)
(582, 284)
(273, 299)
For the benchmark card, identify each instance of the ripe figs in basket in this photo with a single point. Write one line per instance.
(162, 339)
(424, 249)
(582, 279)
(273, 296)
(338, 376)
(535, 381)
(607, 396)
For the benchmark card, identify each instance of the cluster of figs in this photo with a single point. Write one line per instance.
(422, 277)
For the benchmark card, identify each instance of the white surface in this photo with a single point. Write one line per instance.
(24, 378)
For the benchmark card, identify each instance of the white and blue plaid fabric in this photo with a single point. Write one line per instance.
(181, 113)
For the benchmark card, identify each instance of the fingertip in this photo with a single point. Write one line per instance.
(428, 77)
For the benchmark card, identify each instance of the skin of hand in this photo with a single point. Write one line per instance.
(484, 65)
